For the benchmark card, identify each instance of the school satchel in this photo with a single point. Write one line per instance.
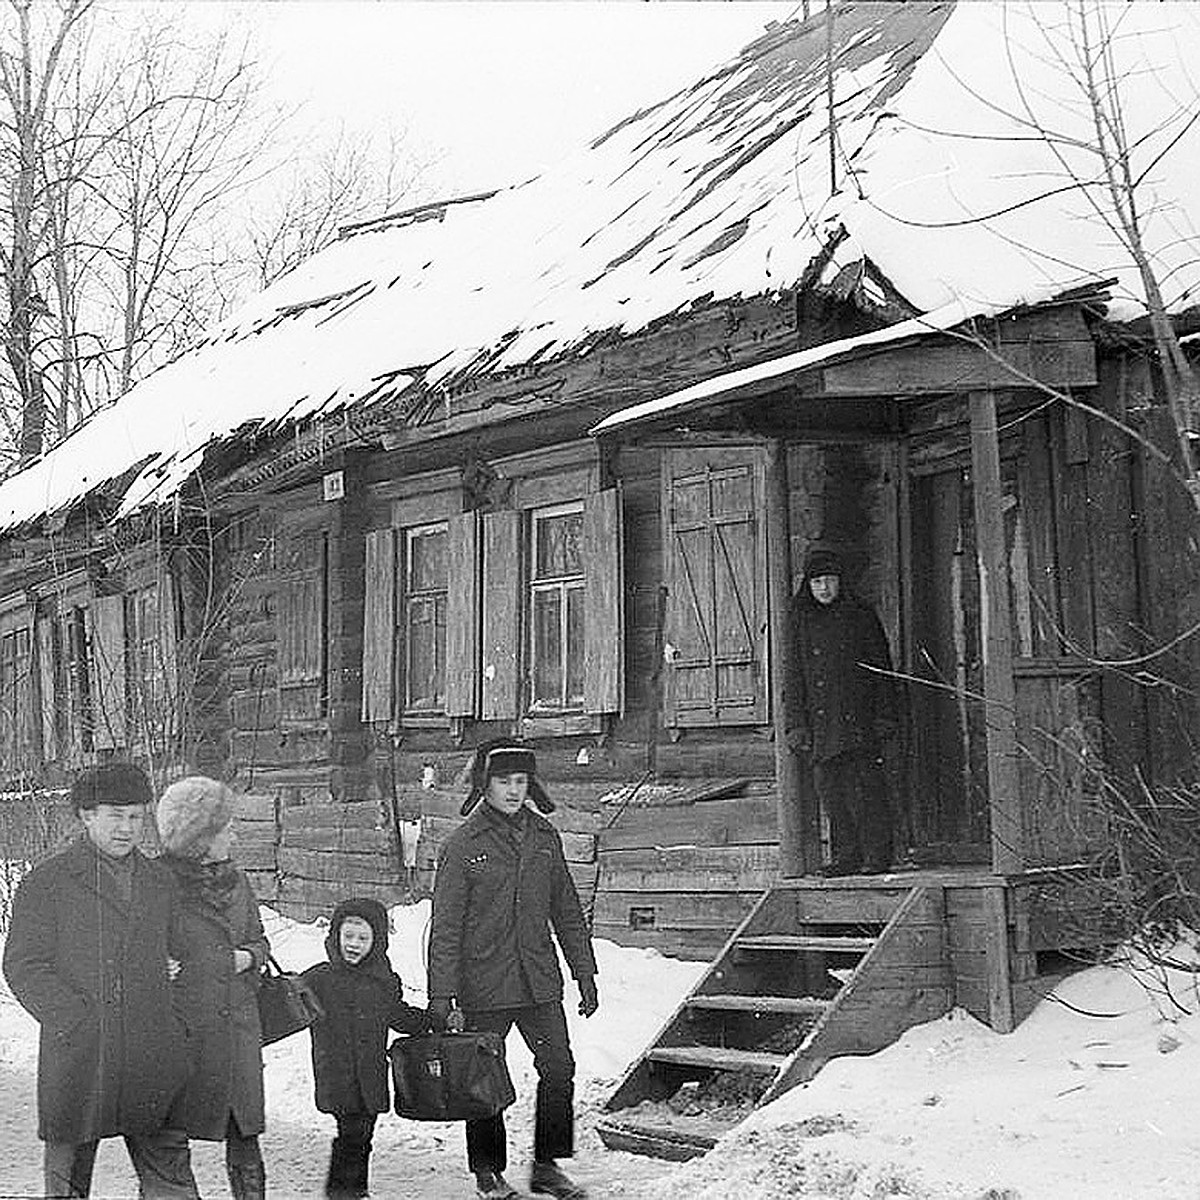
(286, 1004)
(450, 1076)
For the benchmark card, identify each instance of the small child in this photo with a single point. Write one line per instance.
(362, 997)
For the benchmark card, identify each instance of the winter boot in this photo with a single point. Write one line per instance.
(549, 1179)
(339, 1183)
(491, 1185)
(247, 1181)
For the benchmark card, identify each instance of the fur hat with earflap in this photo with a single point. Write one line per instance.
(504, 756)
(191, 813)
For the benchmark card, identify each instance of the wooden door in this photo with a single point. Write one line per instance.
(948, 769)
(716, 612)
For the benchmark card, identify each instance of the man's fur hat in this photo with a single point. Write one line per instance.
(503, 756)
(191, 813)
(117, 783)
(821, 561)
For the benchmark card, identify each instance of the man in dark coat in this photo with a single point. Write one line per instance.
(842, 707)
(362, 998)
(502, 889)
(87, 954)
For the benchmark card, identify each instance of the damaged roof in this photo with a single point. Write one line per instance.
(958, 171)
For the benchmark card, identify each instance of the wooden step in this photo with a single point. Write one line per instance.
(664, 1135)
(812, 941)
(760, 1004)
(718, 1058)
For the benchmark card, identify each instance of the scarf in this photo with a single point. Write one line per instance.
(206, 884)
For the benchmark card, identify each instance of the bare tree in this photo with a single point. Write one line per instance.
(352, 176)
(29, 68)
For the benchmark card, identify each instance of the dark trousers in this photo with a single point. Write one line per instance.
(544, 1029)
(161, 1160)
(854, 790)
(244, 1163)
(350, 1159)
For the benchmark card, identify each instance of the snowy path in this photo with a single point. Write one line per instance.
(412, 1161)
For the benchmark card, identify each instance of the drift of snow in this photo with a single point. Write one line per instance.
(1092, 1098)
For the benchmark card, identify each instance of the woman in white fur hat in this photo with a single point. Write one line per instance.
(224, 949)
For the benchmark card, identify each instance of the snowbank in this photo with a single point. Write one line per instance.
(1093, 1098)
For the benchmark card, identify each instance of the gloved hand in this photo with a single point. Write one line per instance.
(589, 998)
(438, 1010)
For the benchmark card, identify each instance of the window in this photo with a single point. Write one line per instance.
(557, 624)
(18, 750)
(423, 632)
(507, 614)
(149, 628)
(64, 682)
(303, 629)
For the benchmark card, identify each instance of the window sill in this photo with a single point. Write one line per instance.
(562, 724)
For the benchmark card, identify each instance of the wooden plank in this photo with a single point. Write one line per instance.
(936, 365)
(674, 910)
(379, 626)
(604, 594)
(341, 840)
(1000, 999)
(695, 945)
(340, 868)
(253, 807)
(1000, 728)
(717, 869)
(360, 814)
(796, 943)
(740, 821)
(759, 1004)
(462, 617)
(720, 1058)
(1074, 559)
(501, 623)
(108, 667)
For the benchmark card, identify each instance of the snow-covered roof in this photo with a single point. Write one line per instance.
(943, 182)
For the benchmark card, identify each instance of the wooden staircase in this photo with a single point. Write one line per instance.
(819, 968)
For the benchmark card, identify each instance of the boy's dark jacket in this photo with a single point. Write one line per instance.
(361, 1002)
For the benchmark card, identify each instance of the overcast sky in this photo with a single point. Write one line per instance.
(499, 89)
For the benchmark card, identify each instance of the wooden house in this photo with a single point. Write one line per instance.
(546, 462)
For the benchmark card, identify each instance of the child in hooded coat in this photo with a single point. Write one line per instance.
(362, 997)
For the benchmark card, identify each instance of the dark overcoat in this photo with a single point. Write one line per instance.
(221, 1009)
(92, 970)
(501, 888)
(362, 1001)
(834, 696)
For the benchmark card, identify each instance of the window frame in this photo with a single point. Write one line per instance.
(407, 596)
(567, 587)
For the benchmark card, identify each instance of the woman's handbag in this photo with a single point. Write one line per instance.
(286, 1004)
(450, 1076)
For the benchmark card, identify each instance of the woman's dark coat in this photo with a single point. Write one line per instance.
(92, 970)
(362, 1001)
(501, 887)
(221, 1008)
(835, 700)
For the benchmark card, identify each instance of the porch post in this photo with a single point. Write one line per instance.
(796, 805)
(1008, 849)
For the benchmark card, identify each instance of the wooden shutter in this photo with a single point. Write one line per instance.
(715, 633)
(462, 616)
(603, 655)
(47, 673)
(501, 614)
(302, 629)
(379, 627)
(168, 648)
(108, 671)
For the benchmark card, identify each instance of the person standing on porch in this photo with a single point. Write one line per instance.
(93, 928)
(843, 707)
(502, 889)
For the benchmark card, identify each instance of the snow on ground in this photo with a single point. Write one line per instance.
(1092, 1098)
